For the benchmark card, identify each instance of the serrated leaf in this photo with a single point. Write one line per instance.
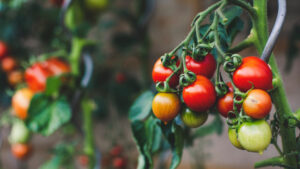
(45, 115)
(141, 107)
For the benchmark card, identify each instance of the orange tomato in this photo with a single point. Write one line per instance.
(8, 64)
(21, 101)
(20, 151)
(15, 77)
(257, 104)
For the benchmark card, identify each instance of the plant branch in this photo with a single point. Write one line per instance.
(242, 45)
(245, 6)
(275, 161)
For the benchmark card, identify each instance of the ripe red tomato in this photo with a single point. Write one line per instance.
(253, 71)
(3, 49)
(119, 162)
(257, 104)
(205, 67)
(166, 106)
(20, 151)
(21, 101)
(36, 77)
(56, 66)
(15, 77)
(161, 73)
(200, 95)
(8, 64)
(116, 151)
(225, 104)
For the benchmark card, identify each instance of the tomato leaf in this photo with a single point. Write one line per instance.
(141, 107)
(174, 134)
(216, 126)
(45, 116)
(231, 13)
(53, 85)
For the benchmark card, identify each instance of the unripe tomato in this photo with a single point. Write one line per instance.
(200, 95)
(21, 101)
(19, 133)
(8, 64)
(193, 119)
(20, 151)
(257, 104)
(3, 49)
(56, 66)
(255, 136)
(36, 77)
(205, 67)
(166, 106)
(119, 162)
(161, 73)
(116, 151)
(96, 5)
(15, 77)
(253, 71)
(233, 139)
(225, 104)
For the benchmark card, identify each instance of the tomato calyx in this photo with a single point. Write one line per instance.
(199, 51)
(232, 62)
(187, 78)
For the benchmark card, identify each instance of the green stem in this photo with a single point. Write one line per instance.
(279, 98)
(88, 144)
(275, 161)
(242, 45)
(245, 6)
(216, 34)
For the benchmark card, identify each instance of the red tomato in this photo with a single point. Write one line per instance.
(119, 162)
(56, 66)
(20, 151)
(161, 73)
(8, 64)
(36, 77)
(200, 95)
(21, 101)
(257, 104)
(116, 151)
(225, 104)
(83, 160)
(205, 67)
(253, 71)
(3, 49)
(120, 78)
(15, 77)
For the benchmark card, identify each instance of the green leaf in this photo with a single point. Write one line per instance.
(232, 13)
(45, 116)
(174, 135)
(216, 126)
(141, 107)
(53, 85)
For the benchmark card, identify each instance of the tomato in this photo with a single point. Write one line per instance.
(57, 3)
(83, 160)
(21, 101)
(120, 78)
(225, 104)
(166, 106)
(56, 66)
(230, 87)
(193, 119)
(253, 71)
(19, 133)
(36, 77)
(200, 95)
(96, 5)
(119, 162)
(257, 104)
(20, 151)
(116, 151)
(233, 139)
(161, 73)
(3, 49)
(255, 136)
(15, 77)
(205, 67)
(8, 64)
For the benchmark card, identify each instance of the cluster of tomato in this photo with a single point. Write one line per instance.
(36, 78)
(9, 66)
(115, 158)
(246, 102)
(198, 96)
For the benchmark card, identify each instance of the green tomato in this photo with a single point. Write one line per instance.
(255, 136)
(193, 119)
(96, 5)
(74, 16)
(233, 138)
(19, 133)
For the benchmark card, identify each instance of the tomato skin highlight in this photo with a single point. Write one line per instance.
(233, 139)
(205, 67)
(254, 71)
(166, 106)
(20, 151)
(36, 77)
(193, 119)
(225, 104)
(255, 136)
(200, 95)
(257, 104)
(3, 50)
(8, 64)
(21, 101)
(161, 73)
